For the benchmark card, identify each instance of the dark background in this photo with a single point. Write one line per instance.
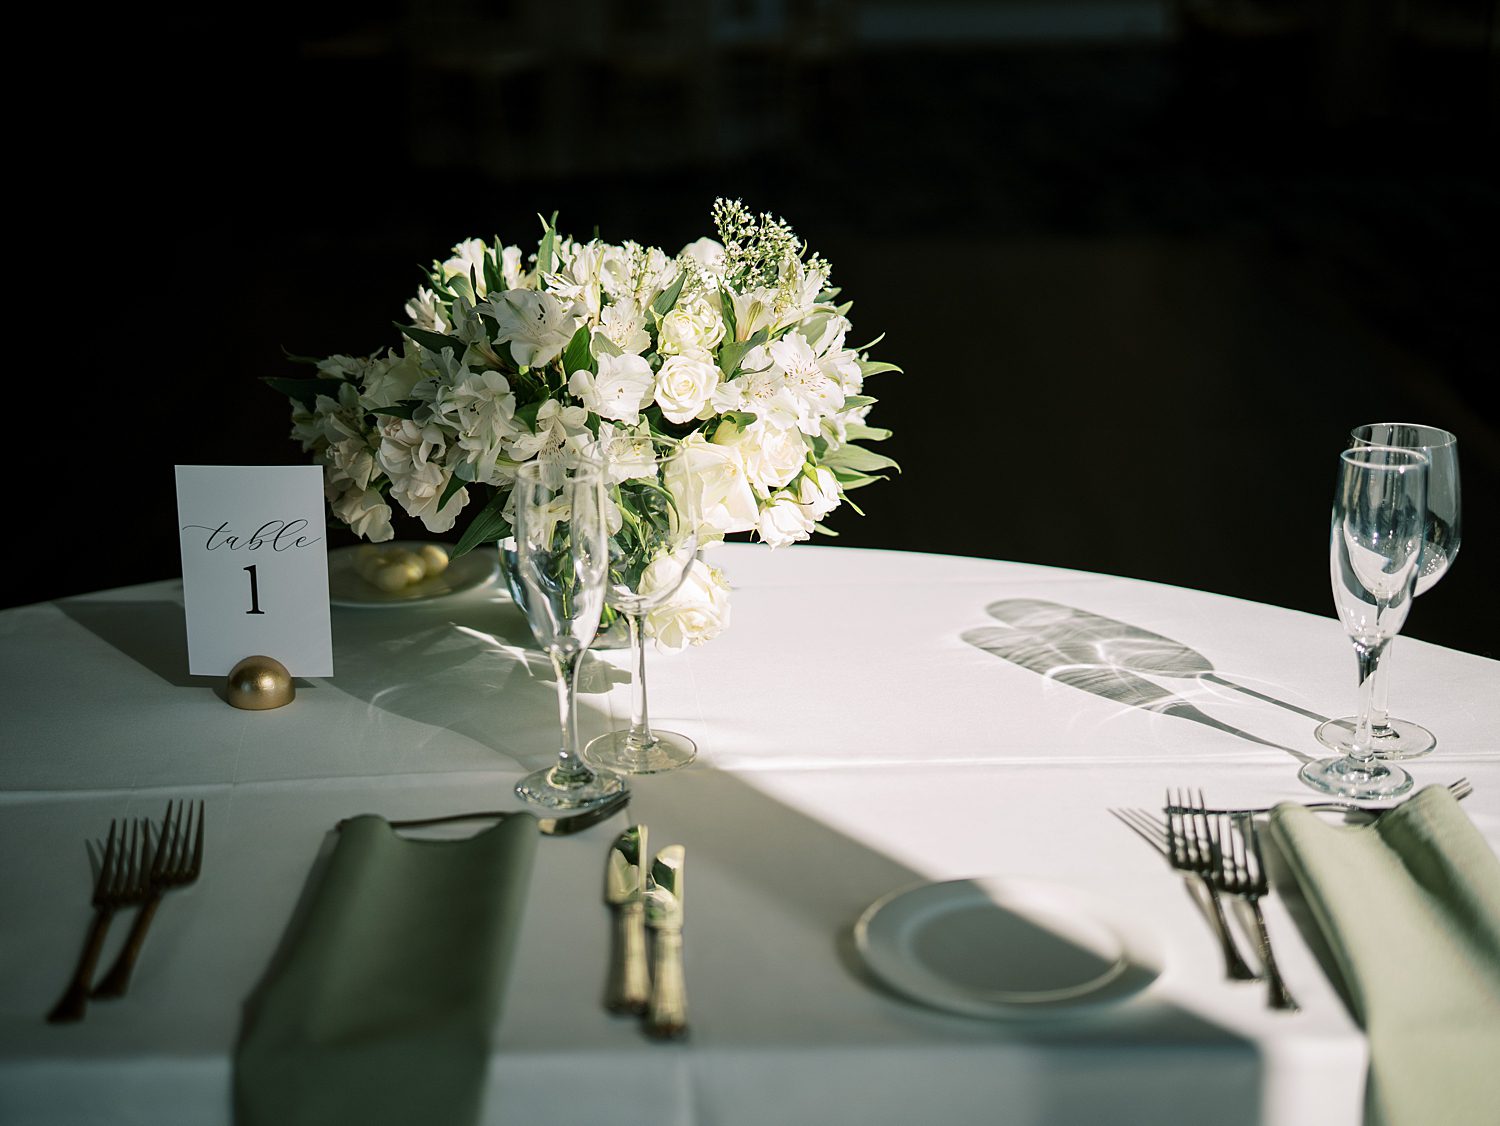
(1144, 264)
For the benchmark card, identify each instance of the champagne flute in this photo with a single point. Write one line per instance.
(1401, 738)
(1375, 551)
(562, 556)
(652, 485)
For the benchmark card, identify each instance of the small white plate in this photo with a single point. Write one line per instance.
(1006, 948)
(478, 568)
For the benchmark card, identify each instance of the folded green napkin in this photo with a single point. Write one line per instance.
(383, 1006)
(1410, 908)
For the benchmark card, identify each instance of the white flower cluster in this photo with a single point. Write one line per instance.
(734, 346)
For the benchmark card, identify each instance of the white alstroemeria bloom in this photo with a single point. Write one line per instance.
(578, 277)
(424, 311)
(697, 612)
(623, 324)
(726, 503)
(481, 411)
(817, 391)
(685, 388)
(693, 328)
(627, 456)
(343, 367)
(708, 254)
(557, 427)
(536, 325)
(364, 511)
(623, 386)
(411, 455)
(510, 268)
(772, 455)
(783, 522)
(765, 394)
(467, 263)
(754, 310)
(818, 492)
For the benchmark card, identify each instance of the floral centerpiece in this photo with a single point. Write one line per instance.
(737, 347)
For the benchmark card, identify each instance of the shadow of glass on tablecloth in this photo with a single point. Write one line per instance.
(1109, 659)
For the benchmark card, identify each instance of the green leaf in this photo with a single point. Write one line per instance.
(849, 479)
(726, 303)
(668, 297)
(576, 356)
(453, 485)
(433, 341)
(852, 402)
(860, 459)
(875, 367)
(545, 249)
(732, 353)
(304, 391)
(313, 360)
(486, 527)
(859, 432)
(825, 530)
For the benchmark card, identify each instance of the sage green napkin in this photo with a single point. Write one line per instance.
(382, 1009)
(1410, 908)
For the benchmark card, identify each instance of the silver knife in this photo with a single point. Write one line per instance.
(667, 1016)
(629, 986)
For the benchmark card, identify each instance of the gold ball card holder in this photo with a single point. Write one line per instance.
(258, 684)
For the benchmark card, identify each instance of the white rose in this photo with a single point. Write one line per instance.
(693, 328)
(818, 492)
(685, 387)
(698, 612)
(772, 456)
(715, 476)
(707, 253)
(366, 513)
(783, 522)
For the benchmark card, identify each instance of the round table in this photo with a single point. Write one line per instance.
(869, 720)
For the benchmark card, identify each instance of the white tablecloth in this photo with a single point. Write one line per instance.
(854, 739)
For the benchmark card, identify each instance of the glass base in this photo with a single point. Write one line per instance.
(542, 787)
(618, 751)
(1348, 779)
(1399, 739)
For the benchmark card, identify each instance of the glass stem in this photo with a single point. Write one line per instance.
(1380, 710)
(1369, 664)
(570, 770)
(640, 718)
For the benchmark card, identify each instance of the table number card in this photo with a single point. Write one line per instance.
(254, 566)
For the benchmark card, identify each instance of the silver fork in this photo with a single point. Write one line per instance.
(121, 880)
(1460, 789)
(1190, 857)
(177, 863)
(1239, 870)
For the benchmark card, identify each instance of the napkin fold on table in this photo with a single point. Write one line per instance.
(1410, 908)
(382, 1008)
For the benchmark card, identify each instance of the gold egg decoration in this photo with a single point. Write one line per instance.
(258, 684)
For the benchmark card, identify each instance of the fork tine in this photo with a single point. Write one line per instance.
(196, 864)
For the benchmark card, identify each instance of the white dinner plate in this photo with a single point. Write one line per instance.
(1006, 948)
(346, 588)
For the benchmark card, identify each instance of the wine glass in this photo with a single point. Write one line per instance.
(651, 484)
(561, 557)
(1375, 551)
(1401, 738)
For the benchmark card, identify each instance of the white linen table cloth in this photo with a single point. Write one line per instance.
(854, 739)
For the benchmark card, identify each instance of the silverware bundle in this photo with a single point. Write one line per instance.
(132, 873)
(643, 899)
(1218, 852)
